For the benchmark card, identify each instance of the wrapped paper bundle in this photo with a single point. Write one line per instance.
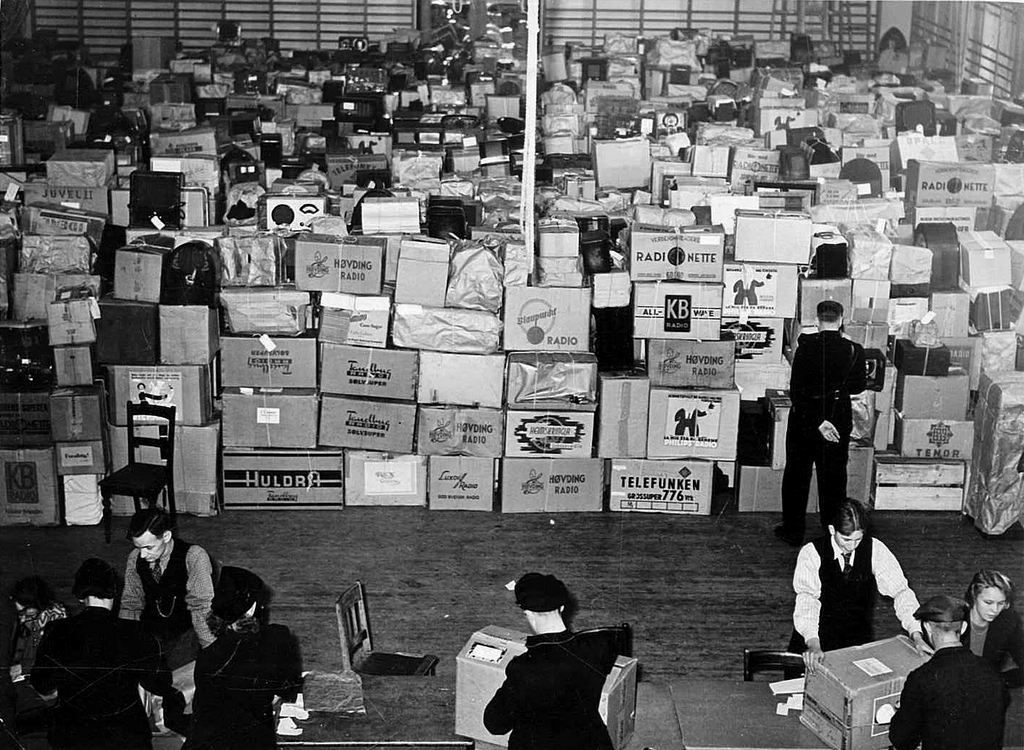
(552, 380)
(476, 279)
(445, 329)
(280, 311)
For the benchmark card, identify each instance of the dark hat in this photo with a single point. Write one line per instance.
(541, 593)
(97, 578)
(829, 308)
(237, 590)
(942, 608)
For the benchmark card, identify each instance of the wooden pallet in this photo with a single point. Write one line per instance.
(918, 484)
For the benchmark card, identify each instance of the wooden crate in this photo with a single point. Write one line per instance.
(918, 484)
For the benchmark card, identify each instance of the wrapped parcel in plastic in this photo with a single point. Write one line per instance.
(995, 497)
(280, 311)
(445, 329)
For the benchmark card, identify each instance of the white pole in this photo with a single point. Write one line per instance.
(530, 145)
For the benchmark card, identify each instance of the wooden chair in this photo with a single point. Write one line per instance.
(766, 660)
(357, 652)
(139, 479)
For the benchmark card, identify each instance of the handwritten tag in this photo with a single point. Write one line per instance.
(12, 192)
(156, 222)
(268, 343)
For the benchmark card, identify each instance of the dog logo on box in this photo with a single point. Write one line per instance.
(693, 421)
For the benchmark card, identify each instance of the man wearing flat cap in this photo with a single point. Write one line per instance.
(96, 663)
(551, 693)
(956, 701)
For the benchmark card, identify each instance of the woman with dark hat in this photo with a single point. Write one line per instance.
(239, 674)
(551, 694)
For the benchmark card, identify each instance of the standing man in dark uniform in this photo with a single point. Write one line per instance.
(956, 701)
(827, 370)
(168, 585)
(551, 694)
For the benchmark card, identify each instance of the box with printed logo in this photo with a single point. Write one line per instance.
(657, 253)
(643, 486)
(962, 217)
(932, 183)
(759, 290)
(756, 339)
(549, 433)
(362, 371)
(677, 310)
(374, 478)
(80, 457)
(965, 356)
(269, 479)
(367, 424)
(268, 361)
(551, 485)
(466, 431)
(326, 263)
(270, 417)
(547, 319)
(688, 364)
(187, 387)
(692, 423)
(461, 483)
(355, 320)
(949, 440)
(95, 199)
(28, 487)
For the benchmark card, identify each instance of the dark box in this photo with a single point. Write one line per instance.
(26, 360)
(127, 332)
(921, 360)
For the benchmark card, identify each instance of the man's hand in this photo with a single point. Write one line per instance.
(829, 431)
(813, 655)
(922, 648)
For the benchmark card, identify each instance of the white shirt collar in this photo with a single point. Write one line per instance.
(837, 552)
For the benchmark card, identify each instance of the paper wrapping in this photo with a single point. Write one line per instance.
(717, 134)
(664, 217)
(1009, 180)
(998, 351)
(868, 211)
(910, 265)
(274, 311)
(445, 329)
(924, 334)
(243, 204)
(418, 170)
(83, 505)
(995, 497)
(991, 308)
(870, 252)
(251, 261)
(53, 254)
(567, 379)
(475, 279)
(558, 94)
(332, 225)
(333, 692)
(560, 272)
(864, 419)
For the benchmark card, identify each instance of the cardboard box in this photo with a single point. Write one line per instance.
(773, 237)
(962, 217)
(903, 312)
(137, 274)
(877, 155)
(189, 334)
(28, 487)
(705, 364)
(72, 322)
(759, 490)
(753, 379)
(80, 458)
(679, 487)
(622, 414)
(465, 431)
(464, 379)
(931, 183)
(992, 309)
(779, 408)
(929, 397)
(677, 310)
(93, 199)
(270, 417)
(197, 450)
(869, 302)
(920, 360)
(843, 697)
(693, 423)
(367, 424)
(81, 167)
(948, 440)
(373, 478)
(265, 310)
(461, 483)
(622, 163)
(813, 291)
(76, 414)
(201, 140)
(326, 263)
(756, 340)
(354, 320)
(868, 335)
(965, 357)
(73, 365)
(187, 387)
(558, 239)
(422, 272)
(268, 479)
(984, 260)
(549, 433)
(127, 332)
(657, 253)
(32, 293)
(268, 362)
(551, 485)
(760, 290)
(24, 418)
(952, 313)
(547, 319)
(360, 371)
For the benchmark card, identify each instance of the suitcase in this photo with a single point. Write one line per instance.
(154, 199)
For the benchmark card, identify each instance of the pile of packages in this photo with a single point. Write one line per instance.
(330, 282)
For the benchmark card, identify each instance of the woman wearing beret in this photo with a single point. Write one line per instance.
(994, 631)
(238, 675)
(551, 693)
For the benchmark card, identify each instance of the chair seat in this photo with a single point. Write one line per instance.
(138, 479)
(385, 664)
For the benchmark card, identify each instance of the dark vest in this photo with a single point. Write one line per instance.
(847, 600)
(165, 612)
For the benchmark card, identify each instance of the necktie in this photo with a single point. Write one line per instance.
(157, 571)
(846, 562)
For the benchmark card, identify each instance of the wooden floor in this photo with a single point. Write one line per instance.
(697, 590)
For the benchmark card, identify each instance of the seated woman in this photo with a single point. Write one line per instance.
(36, 606)
(994, 631)
(240, 673)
